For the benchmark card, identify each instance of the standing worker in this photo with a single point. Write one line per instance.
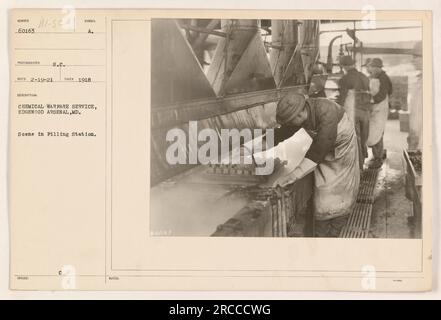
(332, 155)
(355, 97)
(381, 89)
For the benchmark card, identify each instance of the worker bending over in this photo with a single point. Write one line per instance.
(355, 98)
(381, 88)
(333, 155)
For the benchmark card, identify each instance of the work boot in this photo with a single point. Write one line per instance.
(375, 163)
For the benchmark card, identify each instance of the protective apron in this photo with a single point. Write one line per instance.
(337, 177)
(378, 117)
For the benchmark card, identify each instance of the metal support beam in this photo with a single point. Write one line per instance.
(373, 29)
(173, 115)
(202, 37)
(380, 50)
(229, 51)
(204, 30)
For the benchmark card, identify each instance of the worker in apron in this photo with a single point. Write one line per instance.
(355, 98)
(380, 88)
(333, 156)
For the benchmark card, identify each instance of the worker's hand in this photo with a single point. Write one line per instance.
(304, 168)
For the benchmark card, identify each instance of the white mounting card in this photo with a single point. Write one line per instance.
(85, 143)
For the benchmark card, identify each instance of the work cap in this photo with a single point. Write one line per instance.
(376, 62)
(317, 69)
(289, 106)
(346, 61)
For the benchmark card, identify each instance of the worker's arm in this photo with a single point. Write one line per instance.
(362, 95)
(324, 141)
(364, 81)
(385, 89)
(305, 167)
(343, 91)
(390, 84)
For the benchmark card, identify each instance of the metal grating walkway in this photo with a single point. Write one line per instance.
(360, 217)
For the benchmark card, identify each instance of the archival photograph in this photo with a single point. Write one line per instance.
(286, 128)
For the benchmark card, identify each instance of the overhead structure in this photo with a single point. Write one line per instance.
(294, 51)
(197, 32)
(237, 91)
(284, 40)
(173, 65)
(176, 76)
(240, 63)
(309, 45)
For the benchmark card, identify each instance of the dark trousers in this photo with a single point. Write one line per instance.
(377, 149)
(361, 123)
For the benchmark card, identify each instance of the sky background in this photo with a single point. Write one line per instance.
(374, 36)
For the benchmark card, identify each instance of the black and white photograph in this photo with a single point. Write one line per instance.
(255, 149)
(286, 128)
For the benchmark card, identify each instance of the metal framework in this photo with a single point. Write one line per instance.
(241, 82)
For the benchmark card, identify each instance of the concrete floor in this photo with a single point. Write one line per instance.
(391, 208)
